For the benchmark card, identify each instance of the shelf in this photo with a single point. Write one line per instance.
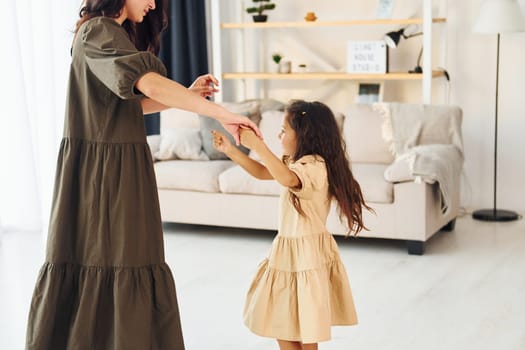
(328, 23)
(330, 76)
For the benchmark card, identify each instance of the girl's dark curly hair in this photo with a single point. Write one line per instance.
(317, 133)
(145, 35)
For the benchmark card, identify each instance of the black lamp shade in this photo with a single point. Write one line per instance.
(392, 38)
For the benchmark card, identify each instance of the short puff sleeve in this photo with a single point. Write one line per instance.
(311, 171)
(113, 58)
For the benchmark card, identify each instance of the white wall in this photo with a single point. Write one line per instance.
(469, 58)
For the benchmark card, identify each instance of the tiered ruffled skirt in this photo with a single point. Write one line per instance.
(300, 291)
(105, 284)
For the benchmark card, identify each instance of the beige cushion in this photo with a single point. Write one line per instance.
(180, 143)
(237, 180)
(409, 125)
(373, 184)
(362, 131)
(174, 118)
(190, 175)
(154, 144)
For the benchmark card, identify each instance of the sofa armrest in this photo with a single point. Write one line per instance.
(400, 171)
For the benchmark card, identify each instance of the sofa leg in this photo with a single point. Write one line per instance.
(450, 226)
(415, 247)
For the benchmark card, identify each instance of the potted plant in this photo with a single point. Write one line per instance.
(277, 57)
(259, 8)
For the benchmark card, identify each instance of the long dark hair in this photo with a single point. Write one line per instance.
(145, 35)
(317, 133)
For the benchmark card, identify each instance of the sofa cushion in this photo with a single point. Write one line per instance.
(237, 180)
(174, 118)
(373, 184)
(180, 143)
(154, 144)
(410, 125)
(268, 104)
(362, 131)
(190, 175)
(370, 177)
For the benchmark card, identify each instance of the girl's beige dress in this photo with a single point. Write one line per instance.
(105, 284)
(301, 289)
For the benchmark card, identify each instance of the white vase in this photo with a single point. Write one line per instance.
(285, 67)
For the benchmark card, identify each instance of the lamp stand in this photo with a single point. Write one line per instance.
(495, 214)
(417, 68)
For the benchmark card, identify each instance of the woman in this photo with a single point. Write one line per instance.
(105, 284)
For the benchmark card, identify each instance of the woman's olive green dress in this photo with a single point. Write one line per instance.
(105, 284)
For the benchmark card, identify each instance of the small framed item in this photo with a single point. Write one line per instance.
(384, 8)
(369, 92)
(367, 57)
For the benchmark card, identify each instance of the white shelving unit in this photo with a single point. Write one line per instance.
(426, 77)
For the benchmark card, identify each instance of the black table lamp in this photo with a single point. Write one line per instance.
(392, 39)
(498, 16)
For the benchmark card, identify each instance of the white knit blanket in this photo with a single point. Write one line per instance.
(428, 138)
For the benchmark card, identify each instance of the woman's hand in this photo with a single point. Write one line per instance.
(205, 85)
(249, 139)
(237, 122)
(221, 142)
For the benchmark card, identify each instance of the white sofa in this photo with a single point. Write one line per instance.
(220, 193)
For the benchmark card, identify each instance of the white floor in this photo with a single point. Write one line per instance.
(466, 292)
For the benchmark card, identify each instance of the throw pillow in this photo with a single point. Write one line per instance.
(248, 109)
(268, 104)
(362, 129)
(181, 143)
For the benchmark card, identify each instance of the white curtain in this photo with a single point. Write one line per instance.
(34, 64)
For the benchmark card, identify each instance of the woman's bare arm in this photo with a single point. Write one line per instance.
(170, 93)
(151, 106)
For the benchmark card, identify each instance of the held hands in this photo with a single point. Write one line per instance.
(249, 139)
(205, 85)
(236, 123)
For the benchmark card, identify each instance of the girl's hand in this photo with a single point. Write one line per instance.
(221, 142)
(205, 85)
(249, 139)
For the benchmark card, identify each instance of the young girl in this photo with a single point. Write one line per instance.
(301, 289)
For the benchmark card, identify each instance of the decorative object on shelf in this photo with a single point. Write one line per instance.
(310, 17)
(277, 57)
(369, 92)
(366, 57)
(392, 39)
(496, 17)
(285, 67)
(301, 68)
(384, 8)
(259, 8)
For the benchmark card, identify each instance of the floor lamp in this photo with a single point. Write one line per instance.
(496, 17)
